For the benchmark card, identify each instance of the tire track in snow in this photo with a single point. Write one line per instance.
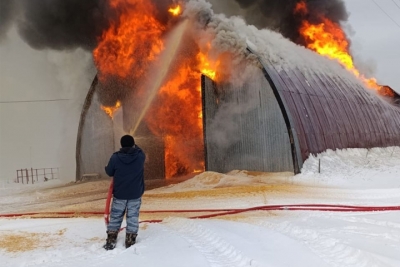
(389, 231)
(67, 257)
(330, 250)
(218, 252)
(368, 221)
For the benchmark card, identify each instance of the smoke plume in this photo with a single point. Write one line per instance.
(279, 15)
(69, 24)
(62, 24)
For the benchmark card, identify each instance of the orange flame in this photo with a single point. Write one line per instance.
(111, 110)
(179, 109)
(328, 39)
(125, 52)
(176, 11)
(301, 7)
(207, 66)
(135, 38)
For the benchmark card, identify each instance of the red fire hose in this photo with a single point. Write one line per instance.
(108, 202)
(214, 212)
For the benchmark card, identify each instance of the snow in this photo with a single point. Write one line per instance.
(256, 238)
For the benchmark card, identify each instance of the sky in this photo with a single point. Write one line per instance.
(43, 134)
(376, 38)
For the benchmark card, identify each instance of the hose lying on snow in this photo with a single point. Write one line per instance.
(219, 212)
(214, 212)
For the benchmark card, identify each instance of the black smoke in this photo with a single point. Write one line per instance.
(63, 24)
(69, 24)
(56, 24)
(279, 15)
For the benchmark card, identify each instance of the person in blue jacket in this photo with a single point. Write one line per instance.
(127, 168)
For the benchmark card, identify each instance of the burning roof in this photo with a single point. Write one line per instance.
(212, 45)
(150, 55)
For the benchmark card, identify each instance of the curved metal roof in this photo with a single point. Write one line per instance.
(329, 111)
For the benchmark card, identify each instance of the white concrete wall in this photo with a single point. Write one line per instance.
(40, 134)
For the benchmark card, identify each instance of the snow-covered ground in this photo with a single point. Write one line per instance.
(257, 238)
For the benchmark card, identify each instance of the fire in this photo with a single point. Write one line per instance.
(111, 110)
(127, 50)
(301, 7)
(328, 39)
(207, 66)
(178, 107)
(175, 11)
(134, 40)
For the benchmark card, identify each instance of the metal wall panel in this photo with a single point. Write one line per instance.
(331, 112)
(296, 122)
(97, 141)
(244, 127)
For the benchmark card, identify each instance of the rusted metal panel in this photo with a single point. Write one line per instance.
(326, 124)
(376, 133)
(327, 120)
(342, 109)
(291, 107)
(297, 92)
(350, 104)
(328, 104)
(383, 126)
(305, 120)
(308, 109)
(393, 125)
(361, 124)
(331, 112)
(300, 150)
(305, 79)
(369, 128)
(342, 127)
(372, 118)
(314, 120)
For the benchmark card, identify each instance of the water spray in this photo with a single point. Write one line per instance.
(166, 61)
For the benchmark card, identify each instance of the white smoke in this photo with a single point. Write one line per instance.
(232, 36)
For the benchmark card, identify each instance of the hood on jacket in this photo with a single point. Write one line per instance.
(128, 154)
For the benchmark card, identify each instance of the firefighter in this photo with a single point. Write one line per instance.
(127, 169)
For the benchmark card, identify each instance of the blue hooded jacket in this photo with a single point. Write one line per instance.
(127, 168)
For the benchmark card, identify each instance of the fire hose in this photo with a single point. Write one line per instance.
(213, 212)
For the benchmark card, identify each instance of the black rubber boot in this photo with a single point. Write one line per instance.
(111, 241)
(130, 239)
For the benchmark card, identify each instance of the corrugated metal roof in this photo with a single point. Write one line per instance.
(332, 112)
